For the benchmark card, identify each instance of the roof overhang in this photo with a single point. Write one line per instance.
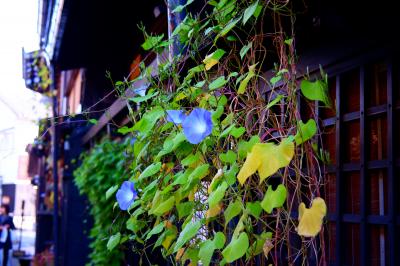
(52, 16)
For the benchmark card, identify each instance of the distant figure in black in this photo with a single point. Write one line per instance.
(7, 224)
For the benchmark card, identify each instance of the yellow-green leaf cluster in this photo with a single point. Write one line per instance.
(310, 220)
(266, 159)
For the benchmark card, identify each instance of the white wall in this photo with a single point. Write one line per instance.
(15, 134)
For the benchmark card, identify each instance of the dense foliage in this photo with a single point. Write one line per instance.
(104, 166)
(224, 167)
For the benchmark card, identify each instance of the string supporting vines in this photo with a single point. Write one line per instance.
(224, 167)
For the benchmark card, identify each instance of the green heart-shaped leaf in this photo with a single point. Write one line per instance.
(315, 91)
(113, 241)
(254, 208)
(190, 230)
(234, 209)
(156, 230)
(150, 170)
(217, 83)
(274, 199)
(305, 131)
(228, 157)
(249, 12)
(111, 191)
(217, 195)
(163, 206)
(236, 248)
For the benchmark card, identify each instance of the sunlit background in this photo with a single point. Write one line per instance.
(20, 110)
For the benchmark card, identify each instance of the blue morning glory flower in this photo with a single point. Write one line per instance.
(175, 116)
(141, 91)
(126, 195)
(197, 125)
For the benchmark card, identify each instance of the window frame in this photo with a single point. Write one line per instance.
(391, 220)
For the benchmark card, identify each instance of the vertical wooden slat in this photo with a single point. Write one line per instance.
(381, 190)
(363, 183)
(338, 248)
(391, 183)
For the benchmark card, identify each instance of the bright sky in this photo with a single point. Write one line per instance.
(18, 28)
(20, 107)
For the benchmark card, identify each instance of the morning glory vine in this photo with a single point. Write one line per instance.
(222, 158)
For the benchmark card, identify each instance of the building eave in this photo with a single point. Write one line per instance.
(52, 17)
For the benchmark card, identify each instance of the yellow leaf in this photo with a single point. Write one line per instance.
(214, 211)
(214, 180)
(168, 240)
(310, 220)
(245, 81)
(213, 59)
(210, 62)
(179, 254)
(192, 194)
(171, 233)
(267, 247)
(180, 96)
(266, 158)
(168, 224)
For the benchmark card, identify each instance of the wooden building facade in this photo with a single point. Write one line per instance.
(355, 43)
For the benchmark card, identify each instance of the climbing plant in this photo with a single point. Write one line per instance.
(224, 167)
(103, 167)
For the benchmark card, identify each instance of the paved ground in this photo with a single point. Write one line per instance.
(28, 238)
(28, 241)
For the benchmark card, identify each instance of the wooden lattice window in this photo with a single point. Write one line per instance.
(362, 188)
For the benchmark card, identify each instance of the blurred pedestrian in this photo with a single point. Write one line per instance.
(6, 225)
